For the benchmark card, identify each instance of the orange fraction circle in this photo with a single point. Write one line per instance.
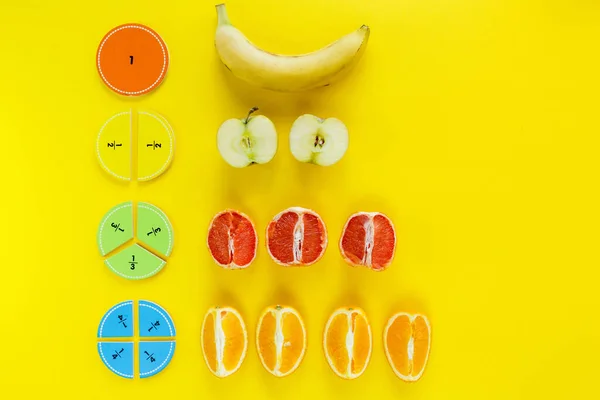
(132, 59)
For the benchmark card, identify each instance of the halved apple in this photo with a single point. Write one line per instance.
(318, 141)
(247, 141)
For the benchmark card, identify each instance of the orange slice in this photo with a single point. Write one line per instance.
(280, 340)
(224, 340)
(348, 342)
(407, 340)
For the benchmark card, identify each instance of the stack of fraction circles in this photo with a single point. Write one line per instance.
(135, 240)
(133, 60)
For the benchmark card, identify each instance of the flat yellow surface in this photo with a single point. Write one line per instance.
(473, 125)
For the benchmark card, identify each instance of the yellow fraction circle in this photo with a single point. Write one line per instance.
(155, 145)
(113, 146)
(142, 139)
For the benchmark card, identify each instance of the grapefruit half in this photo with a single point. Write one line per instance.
(232, 240)
(368, 240)
(296, 237)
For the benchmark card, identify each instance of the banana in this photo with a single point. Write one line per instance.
(286, 73)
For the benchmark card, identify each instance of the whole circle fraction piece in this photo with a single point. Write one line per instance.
(132, 59)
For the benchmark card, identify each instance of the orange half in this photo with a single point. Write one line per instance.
(280, 340)
(224, 340)
(348, 342)
(407, 340)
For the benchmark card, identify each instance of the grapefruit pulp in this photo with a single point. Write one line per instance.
(368, 240)
(232, 240)
(296, 237)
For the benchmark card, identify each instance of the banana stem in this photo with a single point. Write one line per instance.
(253, 109)
(222, 17)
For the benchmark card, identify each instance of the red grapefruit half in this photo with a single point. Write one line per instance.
(232, 239)
(296, 237)
(368, 240)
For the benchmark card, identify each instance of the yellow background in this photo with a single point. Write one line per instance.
(473, 125)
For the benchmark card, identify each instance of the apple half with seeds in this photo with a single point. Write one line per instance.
(247, 141)
(319, 141)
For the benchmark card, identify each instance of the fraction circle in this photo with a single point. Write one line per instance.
(156, 143)
(155, 339)
(132, 59)
(135, 138)
(116, 228)
(135, 245)
(113, 145)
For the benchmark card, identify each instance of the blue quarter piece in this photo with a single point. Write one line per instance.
(118, 357)
(154, 357)
(117, 322)
(154, 321)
